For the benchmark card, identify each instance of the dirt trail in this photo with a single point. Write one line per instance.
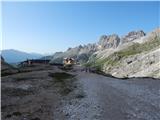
(36, 95)
(114, 99)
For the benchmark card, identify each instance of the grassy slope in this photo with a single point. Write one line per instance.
(114, 59)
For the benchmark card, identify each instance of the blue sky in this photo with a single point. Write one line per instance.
(47, 27)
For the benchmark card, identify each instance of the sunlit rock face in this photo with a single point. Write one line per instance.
(82, 52)
(137, 56)
(133, 55)
(111, 41)
(132, 36)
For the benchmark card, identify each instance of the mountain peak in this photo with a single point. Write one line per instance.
(110, 41)
(132, 36)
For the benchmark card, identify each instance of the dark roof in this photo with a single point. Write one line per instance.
(37, 61)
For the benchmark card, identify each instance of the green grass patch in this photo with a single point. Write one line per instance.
(137, 48)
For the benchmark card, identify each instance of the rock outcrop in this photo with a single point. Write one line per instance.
(111, 41)
(132, 36)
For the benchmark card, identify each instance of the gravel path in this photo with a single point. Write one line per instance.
(115, 99)
(35, 96)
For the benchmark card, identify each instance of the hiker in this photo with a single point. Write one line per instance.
(85, 69)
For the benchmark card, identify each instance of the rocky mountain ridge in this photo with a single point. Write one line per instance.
(82, 53)
(126, 56)
(136, 58)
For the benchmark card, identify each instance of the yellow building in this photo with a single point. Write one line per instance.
(69, 61)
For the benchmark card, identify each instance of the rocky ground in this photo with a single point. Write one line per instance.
(50, 93)
(31, 95)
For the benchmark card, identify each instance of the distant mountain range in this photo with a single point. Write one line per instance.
(82, 53)
(15, 56)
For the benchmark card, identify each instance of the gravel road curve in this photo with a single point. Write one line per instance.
(116, 99)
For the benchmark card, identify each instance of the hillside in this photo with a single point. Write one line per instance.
(125, 56)
(6, 69)
(80, 53)
(136, 58)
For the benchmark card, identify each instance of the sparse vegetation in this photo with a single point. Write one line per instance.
(22, 78)
(61, 76)
(8, 72)
(13, 114)
(138, 48)
(114, 59)
(36, 118)
(66, 68)
(80, 95)
(64, 81)
(16, 113)
(3, 73)
(17, 92)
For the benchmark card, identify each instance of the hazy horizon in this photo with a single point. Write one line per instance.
(49, 27)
